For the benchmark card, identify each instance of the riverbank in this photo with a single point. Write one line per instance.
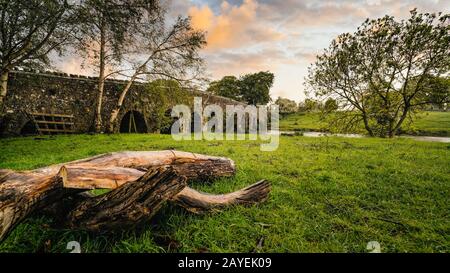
(322, 134)
(428, 124)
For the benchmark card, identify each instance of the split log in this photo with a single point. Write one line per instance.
(21, 193)
(190, 199)
(128, 205)
(192, 166)
(24, 192)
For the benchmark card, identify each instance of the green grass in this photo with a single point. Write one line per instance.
(431, 123)
(329, 195)
(303, 122)
(425, 123)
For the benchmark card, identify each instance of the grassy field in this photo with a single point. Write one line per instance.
(426, 123)
(303, 122)
(431, 123)
(329, 195)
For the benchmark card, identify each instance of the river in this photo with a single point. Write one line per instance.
(320, 134)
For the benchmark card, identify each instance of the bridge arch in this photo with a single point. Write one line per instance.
(133, 122)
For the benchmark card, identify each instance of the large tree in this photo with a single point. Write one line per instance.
(379, 74)
(106, 31)
(29, 31)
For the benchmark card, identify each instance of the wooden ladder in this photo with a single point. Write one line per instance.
(132, 124)
(52, 124)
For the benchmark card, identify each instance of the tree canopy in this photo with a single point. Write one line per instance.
(167, 53)
(29, 31)
(228, 86)
(106, 31)
(251, 88)
(286, 106)
(255, 88)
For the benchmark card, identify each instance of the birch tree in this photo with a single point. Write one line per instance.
(164, 52)
(106, 29)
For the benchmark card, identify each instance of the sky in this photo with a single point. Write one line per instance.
(281, 36)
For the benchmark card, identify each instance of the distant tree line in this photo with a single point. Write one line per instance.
(287, 106)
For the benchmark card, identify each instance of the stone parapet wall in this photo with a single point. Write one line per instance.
(60, 93)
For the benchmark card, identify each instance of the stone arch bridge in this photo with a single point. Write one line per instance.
(74, 96)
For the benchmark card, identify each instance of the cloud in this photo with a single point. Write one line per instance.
(234, 26)
(294, 14)
(202, 18)
(237, 63)
(282, 36)
(308, 57)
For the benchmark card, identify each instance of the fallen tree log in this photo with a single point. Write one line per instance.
(128, 205)
(141, 183)
(190, 199)
(21, 193)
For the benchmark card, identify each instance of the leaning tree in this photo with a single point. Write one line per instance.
(380, 74)
(106, 30)
(29, 31)
(161, 51)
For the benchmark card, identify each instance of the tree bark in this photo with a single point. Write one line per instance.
(405, 112)
(118, 107)
(190, 199)
(3, 88)
(366, 124)
(101, 80)
(21, 193)
(199, 202)
(128, 205)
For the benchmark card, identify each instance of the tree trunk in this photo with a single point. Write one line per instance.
(118, 107)
(23, 192)
(190, 199)
(401, 120)
(366, 124)
(3, 88)
(141, 183)
(101, 82)
(129, 205)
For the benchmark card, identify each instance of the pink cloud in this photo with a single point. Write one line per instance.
(234, 26)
